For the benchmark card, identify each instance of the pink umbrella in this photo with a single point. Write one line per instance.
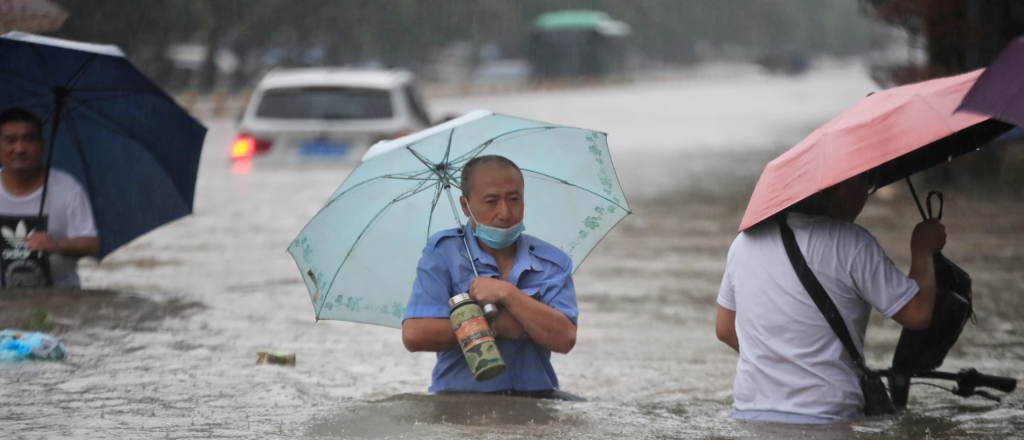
(899, 132)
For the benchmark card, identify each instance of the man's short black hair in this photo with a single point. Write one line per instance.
(471, 166)
(17, 114)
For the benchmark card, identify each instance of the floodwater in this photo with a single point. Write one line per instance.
(167, 347)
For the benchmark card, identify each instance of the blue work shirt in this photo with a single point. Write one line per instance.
(541, 270)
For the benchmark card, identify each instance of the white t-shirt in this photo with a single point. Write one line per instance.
(69, 216)
(792, 367)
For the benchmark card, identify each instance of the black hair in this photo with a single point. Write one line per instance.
(470, 168)
(17, 114)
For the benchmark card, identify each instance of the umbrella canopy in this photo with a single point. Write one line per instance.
(899, 132)
(999, 92)
(358, 255)
(133, 149)
(30, 16)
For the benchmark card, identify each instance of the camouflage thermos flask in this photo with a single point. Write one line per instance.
(475, 337)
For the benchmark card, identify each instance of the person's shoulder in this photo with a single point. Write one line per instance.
(444, 239)
(849, 231)
(63, 180)
(846, 237)
(548, 252)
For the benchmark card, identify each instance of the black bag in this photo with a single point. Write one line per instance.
(924, 350)
(876, 398)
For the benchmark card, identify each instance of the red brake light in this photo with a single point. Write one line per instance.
(243, 147)
(246, 146)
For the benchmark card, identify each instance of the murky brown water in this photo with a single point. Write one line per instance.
(174, 355)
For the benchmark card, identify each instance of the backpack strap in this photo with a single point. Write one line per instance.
(821, 299)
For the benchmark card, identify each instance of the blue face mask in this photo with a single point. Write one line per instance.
(497, 238)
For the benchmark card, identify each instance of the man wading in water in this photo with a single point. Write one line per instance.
(39, 251)
(530, 280)
(792, 366)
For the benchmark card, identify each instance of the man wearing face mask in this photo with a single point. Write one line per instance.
(529, 280)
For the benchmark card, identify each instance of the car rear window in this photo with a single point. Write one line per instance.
(325, 103)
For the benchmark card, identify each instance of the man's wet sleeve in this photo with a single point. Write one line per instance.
(879, 282)
(560, 294)
(430, 296)
(726, 293)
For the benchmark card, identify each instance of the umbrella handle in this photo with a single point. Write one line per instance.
(917, 200)
(928, 201)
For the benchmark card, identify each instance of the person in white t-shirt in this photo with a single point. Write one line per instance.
(70, 232)
(792, 367)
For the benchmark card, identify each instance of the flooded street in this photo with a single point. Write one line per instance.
(174, 353)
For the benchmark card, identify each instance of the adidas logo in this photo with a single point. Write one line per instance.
(16, 238)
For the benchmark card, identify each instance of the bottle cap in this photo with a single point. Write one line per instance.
(458, 300)
(490, 311)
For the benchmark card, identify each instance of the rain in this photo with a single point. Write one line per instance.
(695, 98)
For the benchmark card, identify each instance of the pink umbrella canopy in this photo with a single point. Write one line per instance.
(899, 132)
(30, 16)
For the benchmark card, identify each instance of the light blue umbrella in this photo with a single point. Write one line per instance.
(358, 255)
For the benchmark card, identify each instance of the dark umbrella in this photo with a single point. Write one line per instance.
(131, 146)
(999, 93)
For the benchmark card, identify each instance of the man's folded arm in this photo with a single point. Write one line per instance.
(550, 328)
(548, 320)
(428, 334)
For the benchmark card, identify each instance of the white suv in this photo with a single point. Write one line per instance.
(327, 113)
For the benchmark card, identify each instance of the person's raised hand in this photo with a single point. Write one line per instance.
(929, 237)
(484, 290)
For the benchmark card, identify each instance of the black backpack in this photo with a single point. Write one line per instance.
(924, 350)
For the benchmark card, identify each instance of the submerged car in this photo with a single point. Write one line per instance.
(322, 113)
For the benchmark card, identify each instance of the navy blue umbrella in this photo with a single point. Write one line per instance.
(130, 145)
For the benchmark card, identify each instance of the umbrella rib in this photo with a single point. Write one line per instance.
(117, 130)
(415, 190)
(473, 153)
(80, 72)
(433, 206)
(27, 99)
(25, 85)
(42, 62)
(470, 154)
(374, 179)
(934, 110)
(448, 150)
(564, 182)
(430, 165)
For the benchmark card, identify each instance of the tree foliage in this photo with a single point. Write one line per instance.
(407, 32)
